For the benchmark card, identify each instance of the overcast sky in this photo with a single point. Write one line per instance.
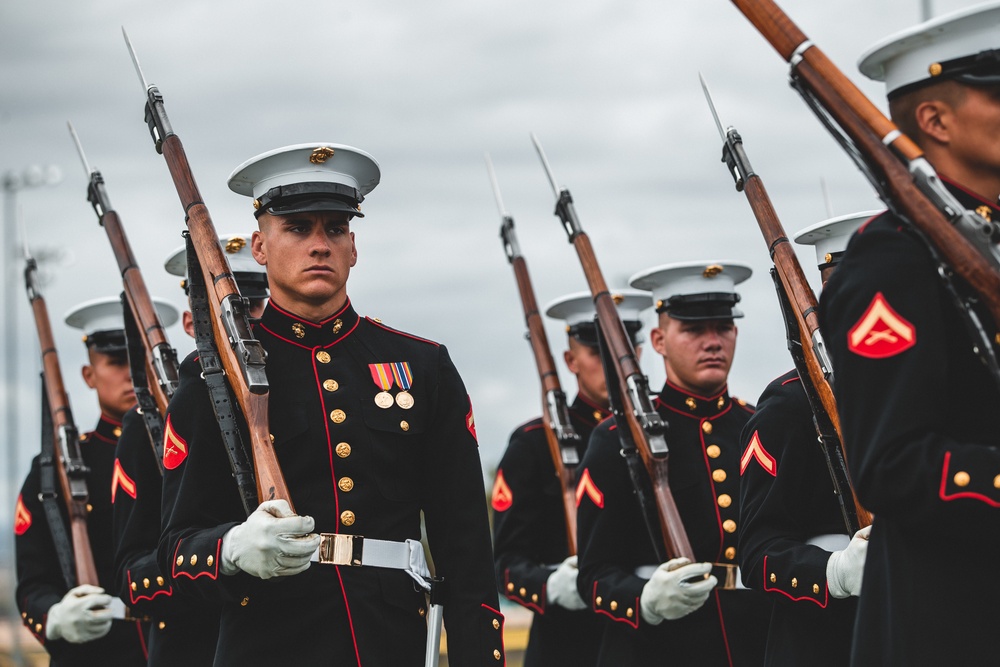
(610, 88)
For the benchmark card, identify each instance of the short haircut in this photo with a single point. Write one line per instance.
(903, 108)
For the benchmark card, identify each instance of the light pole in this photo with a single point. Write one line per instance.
(13, 182)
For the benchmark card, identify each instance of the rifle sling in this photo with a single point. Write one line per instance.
(637, 472)
(48, 496)
(151, 416)
(215, 379)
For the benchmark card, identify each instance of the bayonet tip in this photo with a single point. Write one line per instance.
(711, 106)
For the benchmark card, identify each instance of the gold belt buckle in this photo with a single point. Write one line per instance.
(728, 582)
(339, 549)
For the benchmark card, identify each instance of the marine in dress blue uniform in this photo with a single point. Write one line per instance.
(183, 630)
(78, 637)
(790, 518)
(918, 409)
(372, 427)
(529, 525)
(651, 618)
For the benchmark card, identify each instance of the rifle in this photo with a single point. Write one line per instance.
(559, 433)
(66, 456)
(961, 241)
(242, 356)
(639, 424)
(798, 305)
(147, 340)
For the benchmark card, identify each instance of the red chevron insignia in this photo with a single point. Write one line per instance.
(755, 450)
(881, 332)
(470, 421)
(586, 487)
(175, 448)
(503, 497)
(22, 518)
(121, 480)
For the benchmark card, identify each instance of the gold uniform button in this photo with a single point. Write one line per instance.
(496, 654)
(691, 403)
(534, 597)
(343, 450)
(598, 600)
(331, 385)
(347, 518)
(405, 425)
(816, 589)
(323, 357)
(117, 431)
(421, 612)
(629, 612)
(38, 627)
(194, 559)
(795, 582)
(135, 586)
(523, 592)
(719, 475)
(159, 581)
(613, 605)
(210, 560)
(496, 624)
(597, 413)
(729, 526)
(706, 427)
(244, 602)
(510, 588)
(180, 560)
(24, 614)
(338, 416)
(145, 583)
(162, 625)
(90, 508)
(773, 578)
(961, 478)
(725, 500)
(713, 451)
(935, 69)
(345, 484)
(730, 552)
(996, 482)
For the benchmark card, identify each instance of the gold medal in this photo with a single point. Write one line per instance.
(383, 399)
(404, 400)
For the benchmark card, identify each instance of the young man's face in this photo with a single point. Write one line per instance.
(109, 375)
(308, 258)
(696, 354)
(976, 127)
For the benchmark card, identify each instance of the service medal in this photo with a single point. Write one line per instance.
(404, 400)
(383, 378)
(401, 372)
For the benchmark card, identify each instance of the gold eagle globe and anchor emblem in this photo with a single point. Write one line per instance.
(321, 155)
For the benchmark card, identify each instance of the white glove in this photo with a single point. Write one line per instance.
(560, 588)
(671, 594)
(81, 616)
(272, 542)
(845, 568)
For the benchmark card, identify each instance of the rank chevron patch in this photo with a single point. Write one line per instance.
(755, 450)
(22, 518)
(503, 497)
(175, 448)
(121, 480)
(470, 421)
(881, 332)
(586, 487)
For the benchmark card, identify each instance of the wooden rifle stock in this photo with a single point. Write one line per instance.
(68, 460)
(242, 356)
(887, 152)
(626, 366)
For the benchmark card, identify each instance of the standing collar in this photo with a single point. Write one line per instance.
(693, 405)
(108, 429)
(303, 333)
(588, 411)
(971, 201)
